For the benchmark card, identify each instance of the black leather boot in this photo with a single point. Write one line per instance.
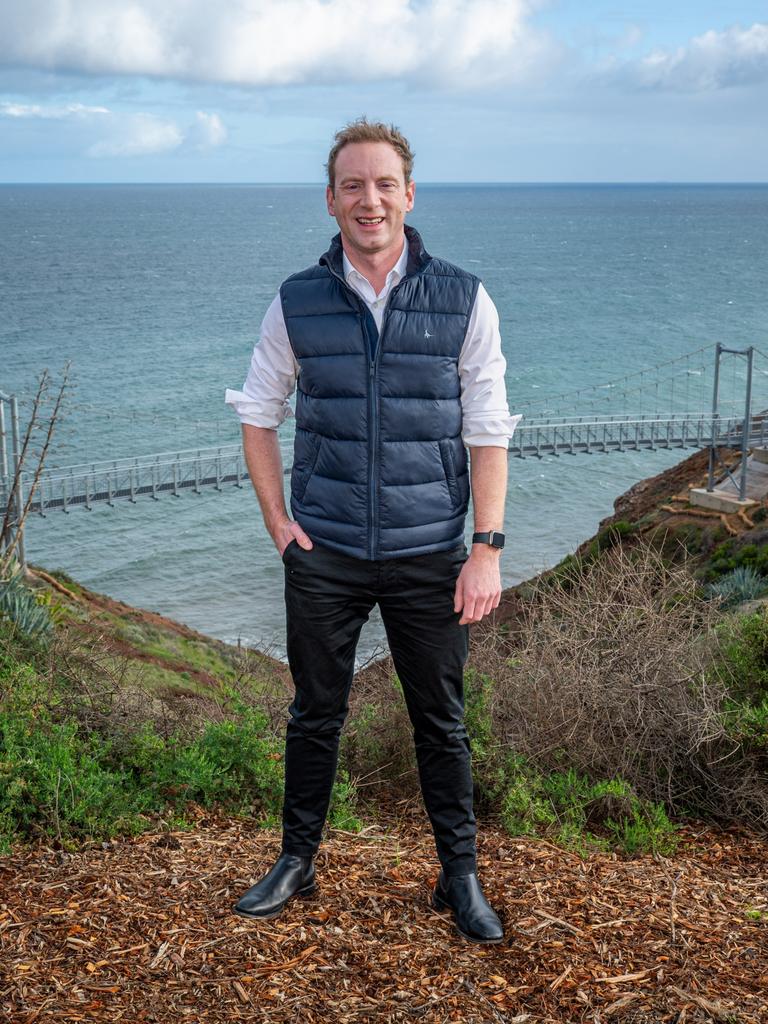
(474, 917)
(290, 876)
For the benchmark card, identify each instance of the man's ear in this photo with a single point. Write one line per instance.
(410, 195)
(329, 200)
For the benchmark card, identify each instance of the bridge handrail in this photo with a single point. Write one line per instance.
(600, 421)
(140, 461)
(717, 425)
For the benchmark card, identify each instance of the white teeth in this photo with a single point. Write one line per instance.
(370, 220)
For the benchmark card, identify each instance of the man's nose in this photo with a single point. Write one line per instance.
(371, 194)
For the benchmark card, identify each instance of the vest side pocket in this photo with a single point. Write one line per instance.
(446, 454)
(306, 475)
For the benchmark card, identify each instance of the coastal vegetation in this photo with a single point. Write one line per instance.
(114, 721)
(622, 692)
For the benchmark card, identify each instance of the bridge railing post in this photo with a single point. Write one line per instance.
(746, 428)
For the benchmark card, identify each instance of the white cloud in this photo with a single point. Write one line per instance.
(278, 42)
(124, 134)
(139, 135)
(715, 60)
(208, 131)
(50, 112)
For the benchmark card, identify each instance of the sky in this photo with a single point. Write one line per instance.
(486, 90)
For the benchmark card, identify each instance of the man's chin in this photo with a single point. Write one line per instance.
(375, 241)
(372, 238)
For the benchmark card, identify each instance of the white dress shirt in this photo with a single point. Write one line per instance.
(271, 379)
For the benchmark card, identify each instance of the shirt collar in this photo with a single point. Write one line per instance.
(396, 273)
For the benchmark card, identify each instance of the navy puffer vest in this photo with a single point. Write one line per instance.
(380, 470)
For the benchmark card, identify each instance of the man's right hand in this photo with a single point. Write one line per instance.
(288, 531)
(265, 467)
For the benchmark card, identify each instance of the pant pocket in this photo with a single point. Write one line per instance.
(288, 548)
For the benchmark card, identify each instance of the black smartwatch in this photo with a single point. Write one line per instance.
(496, 540)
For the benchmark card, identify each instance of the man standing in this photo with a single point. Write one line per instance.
(397, 362)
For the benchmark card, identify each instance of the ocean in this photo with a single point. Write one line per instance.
(154, 294)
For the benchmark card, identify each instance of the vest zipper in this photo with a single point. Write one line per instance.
(373, 430)
(373, 405)
(374, 394)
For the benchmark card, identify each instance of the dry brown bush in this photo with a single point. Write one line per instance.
(612, 672)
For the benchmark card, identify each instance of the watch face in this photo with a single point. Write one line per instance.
(493, 538)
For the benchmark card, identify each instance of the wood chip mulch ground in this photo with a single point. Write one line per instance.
(141, 930)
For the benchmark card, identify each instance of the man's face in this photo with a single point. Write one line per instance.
(370, 199)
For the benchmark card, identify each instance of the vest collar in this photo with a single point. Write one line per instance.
(418, 257)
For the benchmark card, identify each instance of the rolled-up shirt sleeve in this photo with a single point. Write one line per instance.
(271, 379)
(485, 412)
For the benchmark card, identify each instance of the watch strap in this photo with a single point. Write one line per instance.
(492, 537)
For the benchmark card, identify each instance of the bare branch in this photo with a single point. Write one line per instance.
(12, 529)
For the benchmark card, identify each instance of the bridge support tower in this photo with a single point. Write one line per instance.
(735, 495)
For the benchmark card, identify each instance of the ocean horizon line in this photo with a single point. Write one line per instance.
(660, 183)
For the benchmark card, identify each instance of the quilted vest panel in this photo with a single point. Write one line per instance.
(380, 469)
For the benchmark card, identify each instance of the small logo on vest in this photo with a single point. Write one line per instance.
(427, 334)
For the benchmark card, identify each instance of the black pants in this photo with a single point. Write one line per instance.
(328, 598)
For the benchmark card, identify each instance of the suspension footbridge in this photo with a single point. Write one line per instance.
(687, 403)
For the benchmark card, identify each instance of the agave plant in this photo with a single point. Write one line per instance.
(739, 585)
(19, 605)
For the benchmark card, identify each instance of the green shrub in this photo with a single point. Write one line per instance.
(343, 802)
(747, 723)
(732, 554)
(525, 808)
(54, 782)
(646, 829)
(582, 815)
(234, 763)
(488, 754)
(744, 656)
(478, 694)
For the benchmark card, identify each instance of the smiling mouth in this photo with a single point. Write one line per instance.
(370, 220)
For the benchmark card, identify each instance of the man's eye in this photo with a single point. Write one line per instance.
(387, 184)
(351, 187)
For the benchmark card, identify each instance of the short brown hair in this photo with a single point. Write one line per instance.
(363, 130)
